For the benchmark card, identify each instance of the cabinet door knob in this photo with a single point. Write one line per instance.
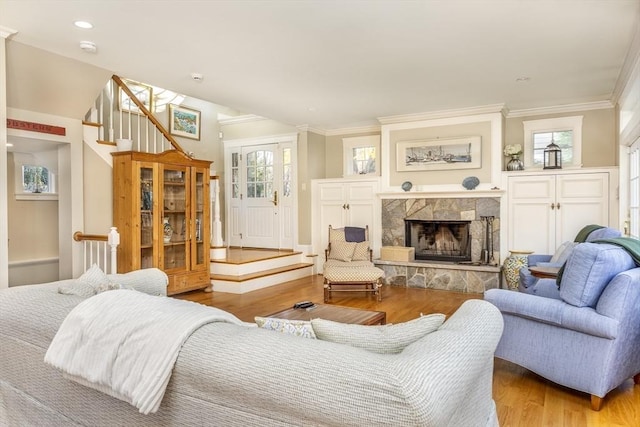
(553, 206)
(558, 205)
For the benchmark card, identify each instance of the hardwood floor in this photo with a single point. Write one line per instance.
(522, 398)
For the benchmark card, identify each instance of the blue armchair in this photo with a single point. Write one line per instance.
(587, 337)
(531, 285)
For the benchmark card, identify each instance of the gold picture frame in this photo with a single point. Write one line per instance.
(143, 92)
(184, 121)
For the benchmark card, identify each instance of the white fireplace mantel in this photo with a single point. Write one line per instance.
(477, 194)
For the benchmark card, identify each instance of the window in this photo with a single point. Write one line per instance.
(35, 179)
(35, 176)
(361, 155)
(566, 132)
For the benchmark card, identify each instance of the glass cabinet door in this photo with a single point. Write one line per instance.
(175, 231)
(146, 217)
(199, 227)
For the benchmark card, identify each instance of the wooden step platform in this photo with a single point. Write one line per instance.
(246, 270)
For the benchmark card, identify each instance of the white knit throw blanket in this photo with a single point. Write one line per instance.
(125, 343)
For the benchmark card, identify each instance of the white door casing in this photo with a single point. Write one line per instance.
(260, 181)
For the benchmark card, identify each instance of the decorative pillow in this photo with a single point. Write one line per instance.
(80, 289)
(361, 252)
(562, 253)
(94, 277)
(385, 339)
(589, 269)
(299, 328)
(337, 235)
(342, 251)
(152, 281)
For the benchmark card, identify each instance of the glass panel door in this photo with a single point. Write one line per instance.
(174, 232)
(146, 217)
(199, 226)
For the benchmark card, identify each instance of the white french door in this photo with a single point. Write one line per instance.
(261, 205)
(633, 229)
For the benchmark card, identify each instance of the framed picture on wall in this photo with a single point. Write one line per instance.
(184, 121)
(439, 154)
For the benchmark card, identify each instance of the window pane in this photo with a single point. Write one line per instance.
(563, 139)
(35, 179)
(364, 160)
(234, 160)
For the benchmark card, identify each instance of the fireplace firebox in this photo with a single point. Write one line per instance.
(439, 240)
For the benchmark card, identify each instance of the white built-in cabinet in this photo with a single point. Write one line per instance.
(344, 202)
(548, 208)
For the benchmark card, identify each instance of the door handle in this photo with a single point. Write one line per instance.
(275, 198)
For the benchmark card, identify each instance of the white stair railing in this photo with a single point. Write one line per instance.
(132, 121)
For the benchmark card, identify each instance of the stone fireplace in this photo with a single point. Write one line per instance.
(450, 231)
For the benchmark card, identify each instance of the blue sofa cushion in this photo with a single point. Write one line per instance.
(588, 270)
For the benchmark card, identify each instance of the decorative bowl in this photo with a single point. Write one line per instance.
(406, 186)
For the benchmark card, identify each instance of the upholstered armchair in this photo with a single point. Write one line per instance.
(530, 284)
(587, 337)
(348, 265)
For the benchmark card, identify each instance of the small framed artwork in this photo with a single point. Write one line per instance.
(439, 154)
(184, 122)
(143, 92)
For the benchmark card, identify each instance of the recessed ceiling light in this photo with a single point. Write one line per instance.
(83, 24)
(523, 79)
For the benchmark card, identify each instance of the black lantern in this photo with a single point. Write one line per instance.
(552, 156)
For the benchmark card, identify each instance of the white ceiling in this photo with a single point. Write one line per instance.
(334, 64)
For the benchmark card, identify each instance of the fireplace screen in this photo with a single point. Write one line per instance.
(439, 240)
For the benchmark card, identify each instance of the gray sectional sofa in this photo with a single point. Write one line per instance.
(235, 375)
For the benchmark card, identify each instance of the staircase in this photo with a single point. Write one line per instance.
(232, 270)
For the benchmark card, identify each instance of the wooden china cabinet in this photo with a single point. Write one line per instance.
(161, 209)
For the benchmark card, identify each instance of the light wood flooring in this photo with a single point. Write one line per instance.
(522, 398)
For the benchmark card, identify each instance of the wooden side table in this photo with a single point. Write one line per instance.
(544, 272)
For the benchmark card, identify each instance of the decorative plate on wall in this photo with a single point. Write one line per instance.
(470, 182)
(406, 186)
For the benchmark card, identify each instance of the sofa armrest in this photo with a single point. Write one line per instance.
(554, 312)
(534, 259)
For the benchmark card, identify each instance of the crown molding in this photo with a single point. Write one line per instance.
(354, 130)
(471, 111)
(559, 109)
(247, 118)
(6, 32)
(307, 128)
(630, 62)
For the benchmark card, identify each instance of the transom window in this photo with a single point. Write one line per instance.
(566, 132)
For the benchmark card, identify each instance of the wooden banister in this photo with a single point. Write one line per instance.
(79, 236)
(148, 114)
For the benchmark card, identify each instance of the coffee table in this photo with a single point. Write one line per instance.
(335, 313)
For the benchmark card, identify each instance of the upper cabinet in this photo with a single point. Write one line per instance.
(161, 208)
(546, 209)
